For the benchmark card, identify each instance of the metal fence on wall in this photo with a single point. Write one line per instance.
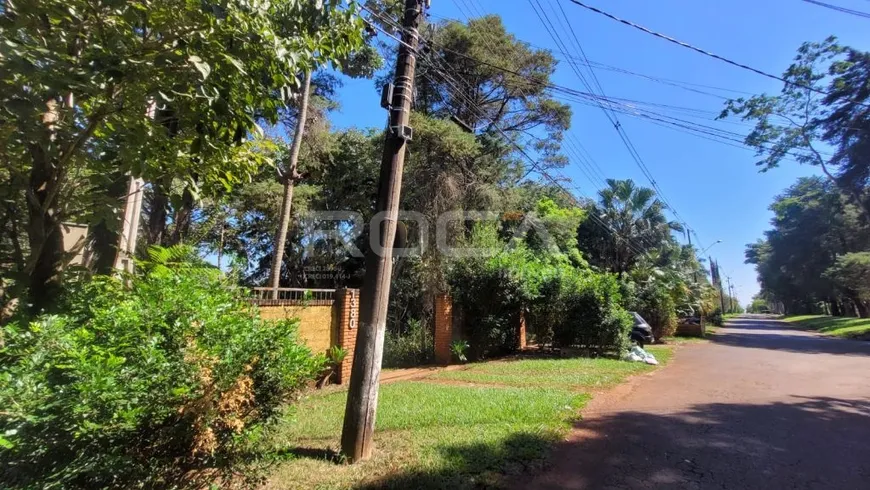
(293, 297)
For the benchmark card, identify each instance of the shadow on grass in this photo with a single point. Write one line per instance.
(476, 465)
(320, 454)
(771, 334)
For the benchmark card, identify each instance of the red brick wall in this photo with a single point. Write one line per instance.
(522, 331)
(347, 310)
(443, 328)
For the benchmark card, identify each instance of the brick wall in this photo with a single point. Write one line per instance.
(315, 323)
(443, 328)
(322, 324)
(522, 331)
(347, 315)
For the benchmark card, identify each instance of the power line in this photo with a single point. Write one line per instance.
(586, 164)
(614, 104)
(840, 9)
(535, 165)
(584, 98)
(614, 119)
(638, 249)
(682, 84)
(696, 49)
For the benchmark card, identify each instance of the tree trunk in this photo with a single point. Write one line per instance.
(157, 213)
(290, 176)
(835, 308)
(46, 241)
(183, 218)
(43, 228)
(106, 232)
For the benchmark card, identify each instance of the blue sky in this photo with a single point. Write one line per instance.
(716, 188)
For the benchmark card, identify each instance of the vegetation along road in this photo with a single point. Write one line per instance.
(761, 406)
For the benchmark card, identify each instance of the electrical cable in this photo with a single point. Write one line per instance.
(840, 9)
(632, 149)
(697, 49)
(535, 165)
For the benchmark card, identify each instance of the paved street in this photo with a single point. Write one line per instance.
(760, 406)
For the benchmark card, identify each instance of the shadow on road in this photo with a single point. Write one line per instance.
(810, 443)
(805, 443)
(772, 334)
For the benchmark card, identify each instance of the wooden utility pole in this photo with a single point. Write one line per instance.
(289, 177)
(362, 399)
(695, 273)
(730, 294)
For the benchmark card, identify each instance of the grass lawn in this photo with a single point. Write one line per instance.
(845, 327)
(567, 374)
(456, 429)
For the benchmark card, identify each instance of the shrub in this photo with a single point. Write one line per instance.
(492, 292)
(566, 306)
(656, 305)
(136, 386)
(583, 311)
(413, 348)
(458, 349)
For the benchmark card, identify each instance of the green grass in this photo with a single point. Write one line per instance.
(494, 420)
(845, 327)
(571, 374)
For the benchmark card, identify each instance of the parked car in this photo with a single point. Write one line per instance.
(641, 332)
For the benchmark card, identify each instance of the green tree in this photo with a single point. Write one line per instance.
(851, 274)
(457, 78)
(813, 225)
(174, 87)
(630, 222)
(823, 102)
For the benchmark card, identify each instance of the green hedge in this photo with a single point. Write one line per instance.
(137, 386)
(566, 306)
(584, 312)
(656, 305)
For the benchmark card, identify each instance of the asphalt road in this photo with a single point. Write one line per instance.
(760, 406)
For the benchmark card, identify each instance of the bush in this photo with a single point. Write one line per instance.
(566, 306)
(413, 348)
(492, 292)
(655, 304)
(581, 308)
(136, 387)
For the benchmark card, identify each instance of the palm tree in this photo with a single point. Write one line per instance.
(637, 222)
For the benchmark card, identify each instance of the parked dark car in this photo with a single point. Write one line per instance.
(641, 332)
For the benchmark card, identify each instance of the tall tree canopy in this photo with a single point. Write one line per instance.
(804, 260)
(160, 89)
(631, 222)
(825, 101)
